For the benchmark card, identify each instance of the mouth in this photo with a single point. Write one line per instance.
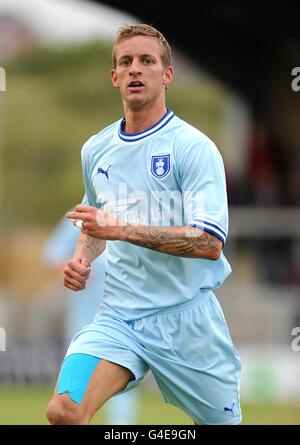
(135, 85)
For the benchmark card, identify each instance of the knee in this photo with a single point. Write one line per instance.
(55, 414)
(61, 411)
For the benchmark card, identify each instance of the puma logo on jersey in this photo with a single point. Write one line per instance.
(104, 172)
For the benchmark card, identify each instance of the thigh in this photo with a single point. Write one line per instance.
(111, 340)
(101, 361)
(195, 363)
(86, 382)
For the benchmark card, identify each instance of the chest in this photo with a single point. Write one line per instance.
(138, 183)
(132, 169)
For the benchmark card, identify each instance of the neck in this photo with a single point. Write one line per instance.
(140, 120)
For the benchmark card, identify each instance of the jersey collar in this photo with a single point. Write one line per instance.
(133, 137)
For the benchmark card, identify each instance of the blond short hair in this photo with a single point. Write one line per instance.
(128, 31)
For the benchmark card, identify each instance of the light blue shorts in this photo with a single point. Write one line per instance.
(188, 349)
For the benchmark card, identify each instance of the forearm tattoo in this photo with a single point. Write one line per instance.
(93, 246)
(185, 241)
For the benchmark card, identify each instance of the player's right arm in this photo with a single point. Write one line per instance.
(88, 248)
(77, 270)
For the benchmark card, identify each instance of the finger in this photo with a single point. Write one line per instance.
(70, 286)
(76, 276)
(74, 281)
(76, 215)
(76, 289)
(79, 208)
(82, 208)
(83, 272)
(80, 268)
(79, 274)
(73, 284)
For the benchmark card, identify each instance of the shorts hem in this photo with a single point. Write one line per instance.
(236, 420)
(131, 384)
(231, 422)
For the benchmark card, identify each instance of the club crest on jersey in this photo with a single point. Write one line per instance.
(160, 166)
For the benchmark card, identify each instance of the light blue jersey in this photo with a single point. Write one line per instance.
(169, 175)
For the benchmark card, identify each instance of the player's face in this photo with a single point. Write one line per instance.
(139, 73)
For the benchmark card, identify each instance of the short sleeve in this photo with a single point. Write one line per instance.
(90, 195)
(203, 187)
(84, 200)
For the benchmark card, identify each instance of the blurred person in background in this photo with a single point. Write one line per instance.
(159, 311)
(80, 309)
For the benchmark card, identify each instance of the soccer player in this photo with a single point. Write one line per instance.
(157, 201)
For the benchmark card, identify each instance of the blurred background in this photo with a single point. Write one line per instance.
(236, 81)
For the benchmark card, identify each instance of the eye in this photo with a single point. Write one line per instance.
(147, 61)
(125, 62)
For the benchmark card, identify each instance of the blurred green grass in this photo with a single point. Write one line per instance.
(25, 405)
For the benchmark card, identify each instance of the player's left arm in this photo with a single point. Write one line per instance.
(185, 241)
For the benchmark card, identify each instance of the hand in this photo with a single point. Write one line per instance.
(97, 223)
(76, 273)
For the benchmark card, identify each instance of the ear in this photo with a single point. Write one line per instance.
(168, 75)
(114, 78)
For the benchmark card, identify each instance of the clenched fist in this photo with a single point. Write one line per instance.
(76, 273)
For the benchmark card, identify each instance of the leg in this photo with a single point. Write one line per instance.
(106, 380)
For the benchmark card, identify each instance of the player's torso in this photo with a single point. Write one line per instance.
(140, 179)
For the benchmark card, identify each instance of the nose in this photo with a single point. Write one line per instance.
(135, 67)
